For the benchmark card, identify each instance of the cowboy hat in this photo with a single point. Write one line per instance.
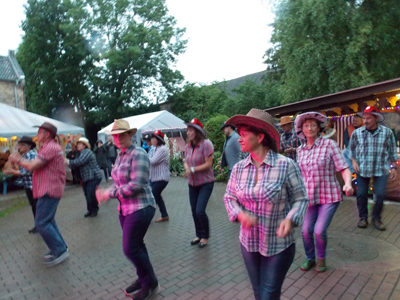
(373, 111)
(84, 141)
(27, 140)
(321, 119)
(225, 125)
(159, 136)
(259, 119)
(285, 120)
(49, 127)
(120, 126)
(196, 124)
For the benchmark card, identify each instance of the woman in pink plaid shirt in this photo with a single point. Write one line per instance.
(319, 159)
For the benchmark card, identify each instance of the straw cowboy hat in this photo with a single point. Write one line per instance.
(27, 140)
(321, 120)
(285, 120)
(159, 136)
(196, 124)
(49, 127)
(259, 119)
(121, 126)
(84, 141)
(373, 111)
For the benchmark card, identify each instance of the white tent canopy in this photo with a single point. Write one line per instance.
(18, 122)
(161, 120)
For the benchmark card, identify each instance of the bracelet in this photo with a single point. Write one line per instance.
(393, 168)
(192, 169)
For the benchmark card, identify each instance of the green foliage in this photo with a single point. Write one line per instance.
(221, 174)
(176, 165)
(214, 132)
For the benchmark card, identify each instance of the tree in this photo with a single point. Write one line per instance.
(214, 132)
(322, 47)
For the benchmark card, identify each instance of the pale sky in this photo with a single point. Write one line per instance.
(227, 38)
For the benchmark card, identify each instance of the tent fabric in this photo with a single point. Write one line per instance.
(150, 121)
(18, 122)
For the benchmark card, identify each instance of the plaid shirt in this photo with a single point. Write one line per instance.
(87, 164)
(159, 164)
(27, 175)
(49, 179)
(373, 152)
(287, 141)
(278, 194)
(196, 157)
(131, 181)
(318, 166)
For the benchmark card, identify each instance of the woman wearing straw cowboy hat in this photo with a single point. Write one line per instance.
(90, 174)
(266, 194)
(136, 207)
(199, 154)
(319, 159)
(159, 171)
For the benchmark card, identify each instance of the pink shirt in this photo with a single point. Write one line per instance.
(196, 157)
(318, 166)
(50, 179)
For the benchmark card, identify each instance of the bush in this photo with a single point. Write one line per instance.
(214, 133)
(176, 165)
(221, 174)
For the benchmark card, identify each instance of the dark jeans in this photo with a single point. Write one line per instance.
(32, 202)
(89, 189)
(362, 196)
(268, 273)
(134, 228)
(111, 162)
(46, 225)
(157, 187)
(199, 196)
(105, 170)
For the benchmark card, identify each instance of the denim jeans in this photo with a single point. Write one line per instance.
(268, 273)
(316, 221)
(362, 196)
(45, 223)
(89, 189)
(157, 187)
(199, 196)
(134, 228)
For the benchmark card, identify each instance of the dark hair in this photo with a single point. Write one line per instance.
(267, 141)
(158, 140)
(198, 137)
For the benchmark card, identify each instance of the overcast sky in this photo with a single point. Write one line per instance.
(227, 38)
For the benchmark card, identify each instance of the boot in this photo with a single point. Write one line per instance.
(307, 265)
(321, 266)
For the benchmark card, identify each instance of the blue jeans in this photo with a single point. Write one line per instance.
(362, 196)
(199, 196)
(268, 273)
(317, 220)
(89, 189)
(134, 228)
(157, 187)
(45, 223)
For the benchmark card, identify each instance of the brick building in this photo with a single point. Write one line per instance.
(12, 82)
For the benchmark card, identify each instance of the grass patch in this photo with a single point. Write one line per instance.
(11, 207)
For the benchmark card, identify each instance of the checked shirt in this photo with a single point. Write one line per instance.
(27, 175)
(87, 164)
(373, 152)
(318, 166)
(289, 140)
(278, 194)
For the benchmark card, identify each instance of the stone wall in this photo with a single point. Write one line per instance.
(7, 94)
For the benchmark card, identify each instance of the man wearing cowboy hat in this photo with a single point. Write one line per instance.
(374, 155)
(231, 151)
(25, 148)
(289, 140)
(48, 185)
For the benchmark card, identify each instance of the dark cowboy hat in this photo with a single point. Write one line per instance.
(49, 127)
(27, 140)
(225, 125)
(159, 135)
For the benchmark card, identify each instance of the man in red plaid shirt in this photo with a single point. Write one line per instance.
(48, 184)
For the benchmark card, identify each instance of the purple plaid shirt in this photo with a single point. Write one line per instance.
(278, 194)
(196, 157)
(131, 181)
(318, 166)
(159, 164)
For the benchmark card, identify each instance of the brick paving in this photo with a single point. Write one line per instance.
(362, 264)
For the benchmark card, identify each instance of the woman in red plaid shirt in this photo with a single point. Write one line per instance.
(319, 159)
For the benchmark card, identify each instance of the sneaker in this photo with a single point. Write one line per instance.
(88, 214)
(378, 225)
(307, 265)
(362, 223)
(146, 294)
(47, 256)
(162, 219)
(321, 265)
(52, 261)
(133, 288)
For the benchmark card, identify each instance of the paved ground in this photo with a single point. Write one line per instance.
(363, 264)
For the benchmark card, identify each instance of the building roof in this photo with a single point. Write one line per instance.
(10, 70)
(229, 85)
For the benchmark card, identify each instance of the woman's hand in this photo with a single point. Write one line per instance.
(102, 195)
(284, 228)
(65, 161)
(348, 189)
(247, 220)
(188, 172)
